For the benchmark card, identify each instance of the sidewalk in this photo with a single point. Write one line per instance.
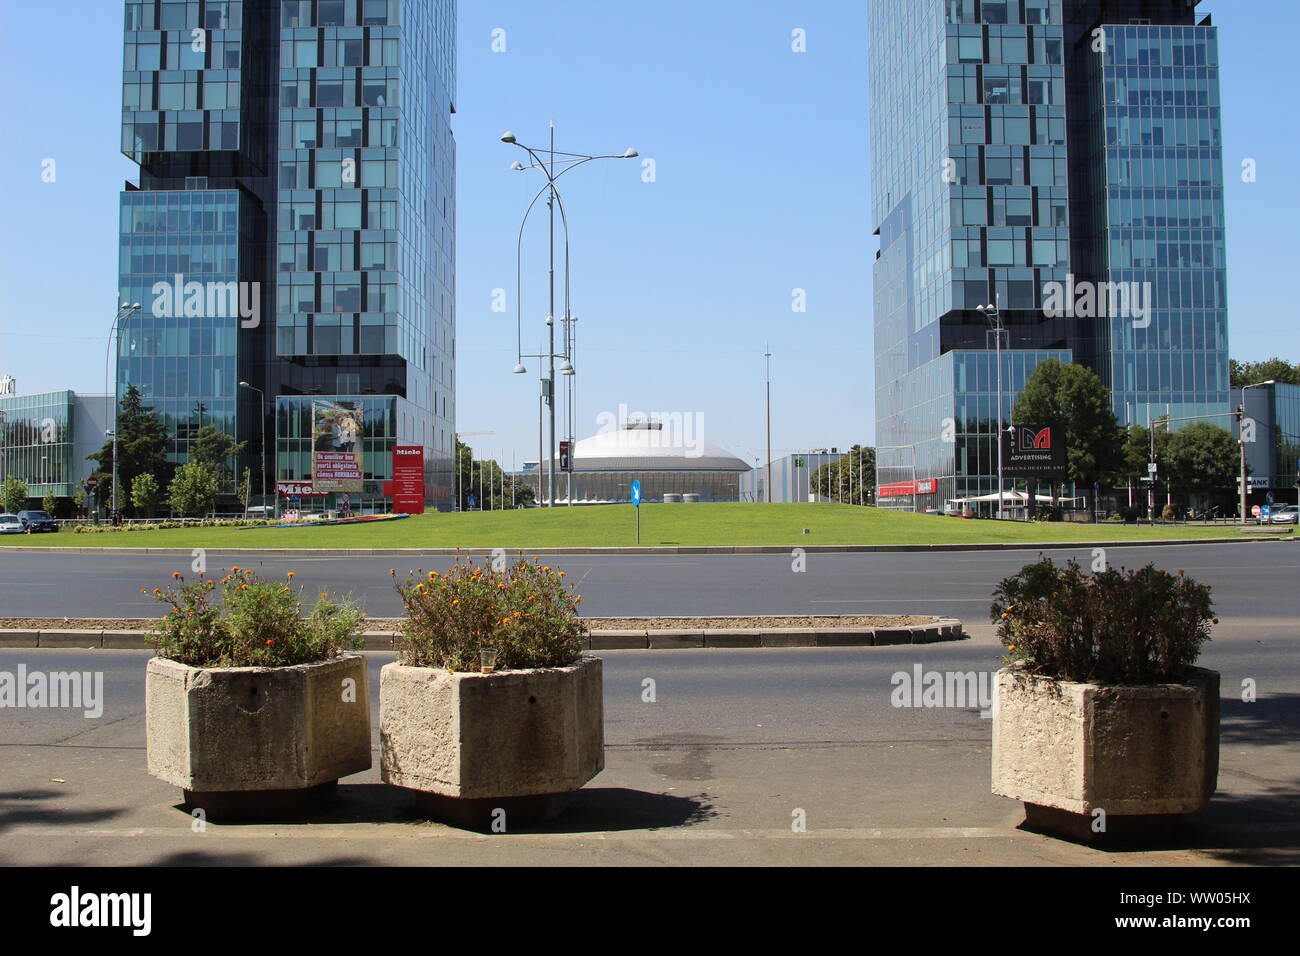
(709, 777)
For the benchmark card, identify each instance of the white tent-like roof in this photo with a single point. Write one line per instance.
(648, 446)
(1012, 497)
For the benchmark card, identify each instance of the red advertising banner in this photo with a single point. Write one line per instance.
(902, 489)
(407, 487)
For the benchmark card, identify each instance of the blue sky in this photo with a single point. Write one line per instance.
(761, 187)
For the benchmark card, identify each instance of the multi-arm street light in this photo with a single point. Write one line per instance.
(123, 310)
(565, 162)
(261, 400)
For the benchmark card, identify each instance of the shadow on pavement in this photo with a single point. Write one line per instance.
(597, 809)
(590, 810)
(1274, 719)
(19, 807)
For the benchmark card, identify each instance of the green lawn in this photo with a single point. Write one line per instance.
(613, 526)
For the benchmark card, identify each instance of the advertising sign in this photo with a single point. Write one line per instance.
(297, 489)
(407, 486)
(1034, 451)
(336, 462)
(903, 489)
(566, 456)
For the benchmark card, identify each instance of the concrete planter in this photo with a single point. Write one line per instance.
(473, 744)
(1142, 754)
(257, 741)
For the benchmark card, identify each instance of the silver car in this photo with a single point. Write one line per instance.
(1284, 514)
(9, 524)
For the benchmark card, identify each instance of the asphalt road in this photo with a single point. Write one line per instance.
(1255, 583)
(711, 771)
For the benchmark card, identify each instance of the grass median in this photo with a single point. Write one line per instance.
(609, 526)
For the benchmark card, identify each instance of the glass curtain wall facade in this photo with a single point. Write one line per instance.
(305, 154)
(1158, 190)
(991, 168)
(36, 443)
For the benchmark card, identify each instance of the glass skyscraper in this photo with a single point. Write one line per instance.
(293, 226)
(1022, 152)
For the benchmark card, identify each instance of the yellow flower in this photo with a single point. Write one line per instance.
(291, 574)
(456, 601)
(324, 594)
(1011, 647)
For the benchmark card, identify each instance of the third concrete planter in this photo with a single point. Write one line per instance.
(1101, 762)
(483, 749)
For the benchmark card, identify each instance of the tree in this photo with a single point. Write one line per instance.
(1203, 459)
(142, 441)
(79, 499)
(49, 502)
(487, 482)
(194, 489)
(1252, 373)
(1137, 453)
(214, 448)
(850, 479)
(245, 490)
(146, 494)
(14, 494)
(1074, 397)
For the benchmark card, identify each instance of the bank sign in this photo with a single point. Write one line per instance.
(1034, 451)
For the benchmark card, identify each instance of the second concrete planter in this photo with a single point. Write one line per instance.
(1103, 762)
(492, 750)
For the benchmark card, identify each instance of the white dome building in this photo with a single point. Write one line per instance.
(665, 461)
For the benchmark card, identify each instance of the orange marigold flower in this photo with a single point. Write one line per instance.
(324, 594)
(291, 573)
(144, 591)
(157, 591)
(176, 574)
(235, 569)
(270, 641)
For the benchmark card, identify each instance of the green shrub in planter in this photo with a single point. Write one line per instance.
(1102, 726)
(256, 624)
(1116, 626)
(525, 612)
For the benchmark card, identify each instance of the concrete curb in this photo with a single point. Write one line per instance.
(945, 629)
(728, 549)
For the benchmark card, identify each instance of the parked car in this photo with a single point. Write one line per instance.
(1284, 514)
(9, 524)
(35, 522)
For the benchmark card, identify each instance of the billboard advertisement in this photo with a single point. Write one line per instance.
(336, 457)
(1034, 451)
(407, 487)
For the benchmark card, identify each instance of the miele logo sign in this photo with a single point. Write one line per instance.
(406, 451)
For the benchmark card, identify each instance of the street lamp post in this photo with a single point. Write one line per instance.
(992, 313)
(567, 162)
(123, 310)
(261, 399)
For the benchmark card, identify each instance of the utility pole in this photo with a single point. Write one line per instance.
(768, 357)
